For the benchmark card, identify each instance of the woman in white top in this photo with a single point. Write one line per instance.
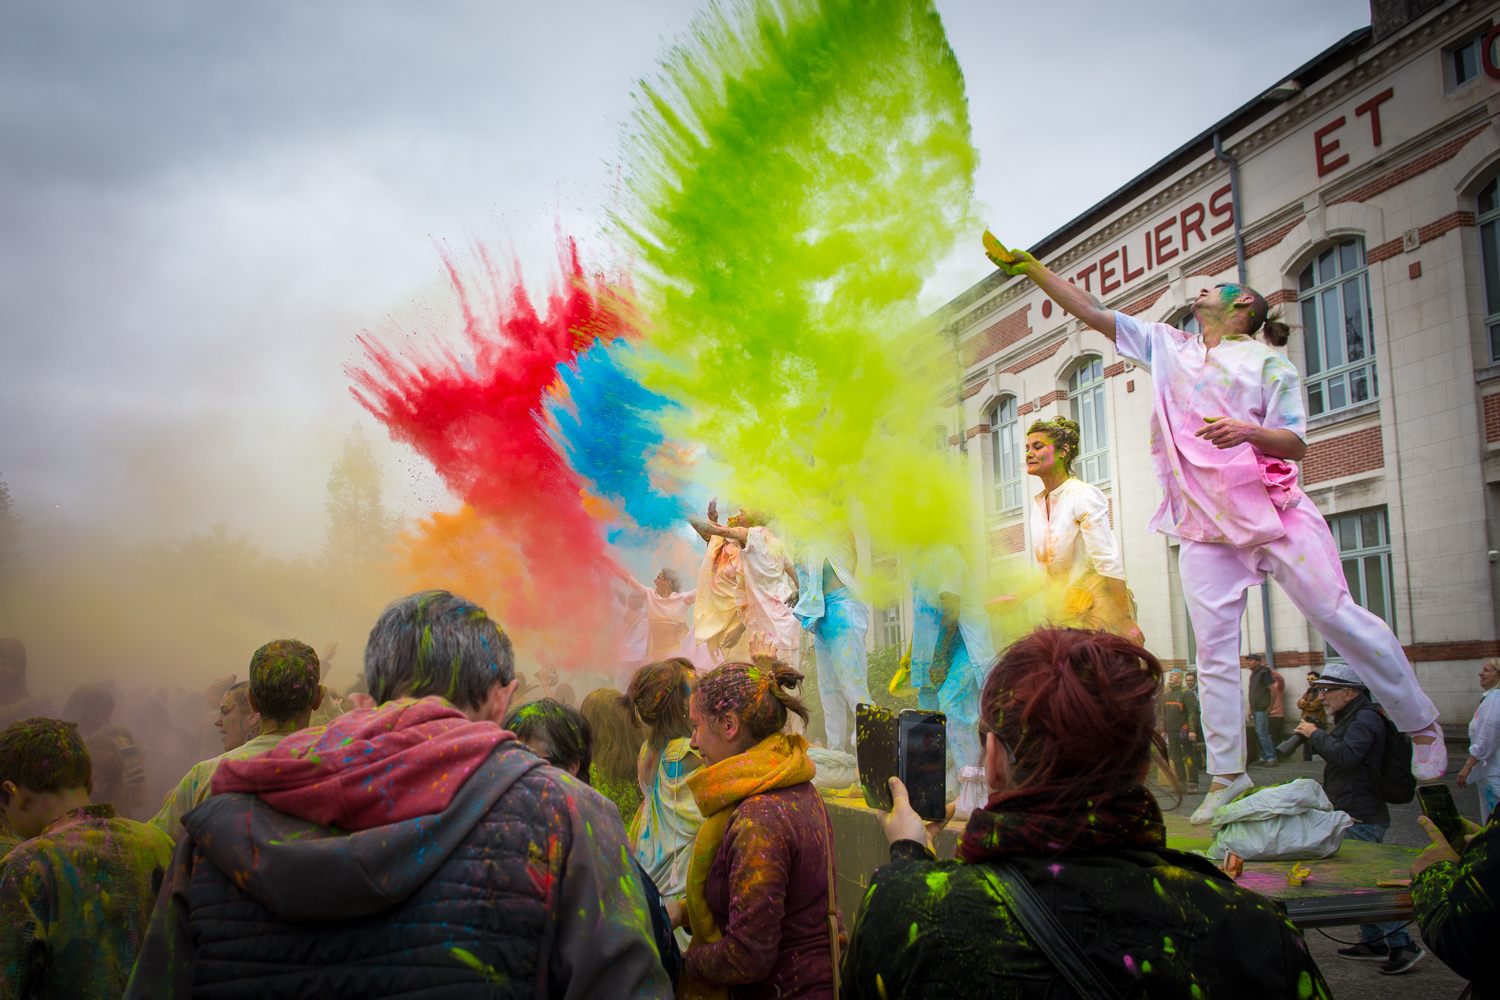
(1083, 576)
(666, 612)
(1483, 766)
(768, 582)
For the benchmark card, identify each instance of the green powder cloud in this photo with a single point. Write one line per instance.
(794, 174)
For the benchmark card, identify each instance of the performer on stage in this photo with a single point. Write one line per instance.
(831, 608)
(769, 581)
(1082, 575)
(951, 651)
(666, 612)
(1227, 422)
(718, 619)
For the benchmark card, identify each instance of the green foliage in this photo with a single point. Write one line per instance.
(11, 556)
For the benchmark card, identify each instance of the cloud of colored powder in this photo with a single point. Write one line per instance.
(468, 396)
(795, 173)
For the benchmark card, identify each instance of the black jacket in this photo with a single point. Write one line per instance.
(1179, 708)
(1458, 909)
(1260, 689)
(521, 887)
(1155, 923)
(1352, 750)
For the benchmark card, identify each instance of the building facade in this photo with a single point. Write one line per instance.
(1369, 199)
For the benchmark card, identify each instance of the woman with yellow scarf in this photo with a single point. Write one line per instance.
(760, 903)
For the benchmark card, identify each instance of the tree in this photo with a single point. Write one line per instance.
(359, 526)
(10, 535)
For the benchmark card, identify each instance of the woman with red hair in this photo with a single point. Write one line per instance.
(1070, 838)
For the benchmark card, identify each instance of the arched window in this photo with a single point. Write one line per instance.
(1005, 438)
(1086, 397)
(1489, 254)
(1334, 295)
(1189, 323)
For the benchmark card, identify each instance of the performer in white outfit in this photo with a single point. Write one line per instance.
(1482, 769)
(1082, 575)
(718, 617)
(831, 608)
(951, 649)
(666, 612)
(768, 581)
(1228, 418)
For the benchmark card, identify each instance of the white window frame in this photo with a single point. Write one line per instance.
(1359, 553)
(1086, 401)
(1005, 448)
(1488, 221)
(1339, 283)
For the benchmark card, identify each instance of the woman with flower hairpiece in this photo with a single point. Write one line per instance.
(760, 897)
(1083, 576)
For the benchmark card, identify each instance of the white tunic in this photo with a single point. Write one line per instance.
(1076, 537)
(767, 588)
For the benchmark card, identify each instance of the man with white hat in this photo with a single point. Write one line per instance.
(1352, 750)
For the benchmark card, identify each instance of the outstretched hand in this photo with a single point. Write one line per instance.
(903, 823)
(1012, 262)
(761, 646)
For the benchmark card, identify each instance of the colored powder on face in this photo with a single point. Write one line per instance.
(608, 426)
(796, 172)
(468, 396)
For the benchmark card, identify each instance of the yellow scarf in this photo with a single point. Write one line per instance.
(778, 761)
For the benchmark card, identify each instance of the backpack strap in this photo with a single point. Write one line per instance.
(1042, 926)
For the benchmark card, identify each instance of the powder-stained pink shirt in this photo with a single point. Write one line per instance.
(1212, 494)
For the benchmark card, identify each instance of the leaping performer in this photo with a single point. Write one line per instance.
(1227, 421)
(718, 618)
(768, 578)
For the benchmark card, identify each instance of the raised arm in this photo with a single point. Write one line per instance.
(1019, 263)
(708, 528)
(626, 578)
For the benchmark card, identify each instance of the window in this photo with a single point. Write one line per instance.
(1340, 354)
(890, 621)
(939, 437)
(1365, 549)
(1489, 254)
(1465, 61)
(1005, 437)
(1189, 324)
(1086, 396)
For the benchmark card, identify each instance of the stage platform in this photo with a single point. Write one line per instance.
(1342, 889)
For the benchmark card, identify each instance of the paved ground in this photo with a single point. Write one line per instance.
(1429, 979)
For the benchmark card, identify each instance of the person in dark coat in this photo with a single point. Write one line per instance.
(1352, 750)
(1261, 695)
(1456, 897)
(1068, 741)
(1180, 720)
(414, 848)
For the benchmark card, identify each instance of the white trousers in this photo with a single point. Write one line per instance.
(1305, 562)
(839, 646)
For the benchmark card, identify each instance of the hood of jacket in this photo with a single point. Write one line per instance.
(297, 829)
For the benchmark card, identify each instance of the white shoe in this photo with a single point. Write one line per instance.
(1219, 798)
(1429, 762)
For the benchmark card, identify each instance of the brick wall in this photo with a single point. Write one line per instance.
(1258, 245)
(997, 336)
(1007, 541)
(1431, 652)
(1344, 455)
(1426, 234)
(1405, 172)
(1032, 359)
(1492, 418)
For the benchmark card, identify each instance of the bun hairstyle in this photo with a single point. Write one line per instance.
(1269, 323)
(1077, 710)
(658, 700)
(759, 693)
(1064, 435)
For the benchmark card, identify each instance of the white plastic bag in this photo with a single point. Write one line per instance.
(973, 792)
(1288, 822)
(835, 769)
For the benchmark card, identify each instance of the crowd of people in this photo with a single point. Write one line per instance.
(445, 828)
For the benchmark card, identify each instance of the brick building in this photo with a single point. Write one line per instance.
(1369, 193)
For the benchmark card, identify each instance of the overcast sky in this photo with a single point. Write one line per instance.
(204, 203)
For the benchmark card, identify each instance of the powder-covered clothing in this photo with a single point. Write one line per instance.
(666, 618)
(667, 821)
(194, 786)
(842, 661)
(625, 793)
(768, 890)
(8, 836)
(75, 902)
(1484, 738)
(398, 852)
(721, 582)
(1074, 537)
(1212, 494)
(940, 570)
(1457, 906)
(1153, 922)
(767, 588)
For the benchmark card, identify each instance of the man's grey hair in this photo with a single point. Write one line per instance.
(436, 643)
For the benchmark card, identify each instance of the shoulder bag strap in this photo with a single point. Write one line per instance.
(1046, 932)
(833, 908)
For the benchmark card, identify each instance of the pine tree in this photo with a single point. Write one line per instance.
(10, 535)
(359, 526)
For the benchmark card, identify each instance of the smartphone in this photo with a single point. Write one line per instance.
(875, 753)
(922, 761)
(1437, 805)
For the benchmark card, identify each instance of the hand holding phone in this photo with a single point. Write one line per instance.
(1437, 805)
